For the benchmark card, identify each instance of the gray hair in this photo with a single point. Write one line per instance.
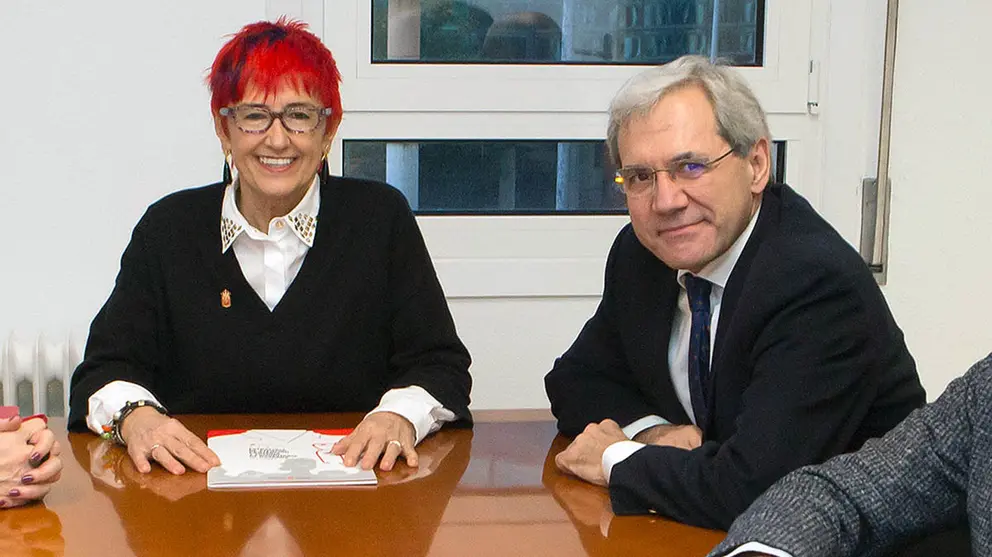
(740, 120)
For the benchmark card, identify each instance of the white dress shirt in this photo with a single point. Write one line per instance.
(270, 262)
(717, 272)
(758, 548)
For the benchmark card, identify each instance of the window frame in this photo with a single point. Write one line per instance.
(781, 83)
(520, 256)
(554, 256)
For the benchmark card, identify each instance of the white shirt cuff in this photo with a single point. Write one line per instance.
(640, 425)
(104, 403)
(758, 548)
(418, 406)
(616, 453)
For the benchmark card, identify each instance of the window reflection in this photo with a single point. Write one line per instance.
(566, 31)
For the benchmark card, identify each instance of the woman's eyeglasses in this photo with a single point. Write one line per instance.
(258, 118)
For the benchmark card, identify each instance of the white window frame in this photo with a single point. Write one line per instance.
(780, 83)
(537, 256)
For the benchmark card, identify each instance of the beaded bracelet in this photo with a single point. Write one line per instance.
(113, 431)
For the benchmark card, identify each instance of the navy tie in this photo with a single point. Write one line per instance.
(699, 346)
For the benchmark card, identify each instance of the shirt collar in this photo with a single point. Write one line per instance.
(718, 271)
(302, 219)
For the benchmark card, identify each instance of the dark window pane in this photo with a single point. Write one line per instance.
(566, 31)
(499, 177)
(491, 177)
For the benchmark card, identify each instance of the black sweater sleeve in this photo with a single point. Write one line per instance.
(426, 349)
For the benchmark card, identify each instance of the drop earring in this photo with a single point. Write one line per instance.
(227, 168)
(325, 170)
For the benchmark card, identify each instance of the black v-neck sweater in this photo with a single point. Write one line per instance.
(365, 314)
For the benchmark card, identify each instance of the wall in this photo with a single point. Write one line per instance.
(941, 234)
(104, 111)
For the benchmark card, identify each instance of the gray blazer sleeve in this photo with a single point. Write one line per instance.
(909, 482)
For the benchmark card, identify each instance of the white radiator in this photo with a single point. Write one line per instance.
(35, 372)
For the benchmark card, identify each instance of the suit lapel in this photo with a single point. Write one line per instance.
(661, 291)
(767, 222)
(670, 299)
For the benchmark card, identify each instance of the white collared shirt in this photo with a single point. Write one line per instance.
(758, 547)
(717, 272)
(270, 262)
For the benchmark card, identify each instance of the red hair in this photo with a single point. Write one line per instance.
(267, 55)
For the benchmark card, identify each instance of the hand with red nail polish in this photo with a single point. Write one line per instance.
(30, 461)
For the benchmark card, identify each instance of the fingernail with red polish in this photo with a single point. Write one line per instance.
(35, 457)
(27, 479)
(14, 493)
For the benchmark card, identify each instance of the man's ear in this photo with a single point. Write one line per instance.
(760, 161)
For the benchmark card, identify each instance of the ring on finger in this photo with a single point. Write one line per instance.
(155, 446)
(395, 442)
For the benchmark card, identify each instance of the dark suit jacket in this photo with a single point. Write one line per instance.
(930, 472)
(807, 363)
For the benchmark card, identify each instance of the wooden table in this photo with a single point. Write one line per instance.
(492, 490)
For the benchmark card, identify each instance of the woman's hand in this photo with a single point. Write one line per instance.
(29, 462)
(151, 435)
(385, 434)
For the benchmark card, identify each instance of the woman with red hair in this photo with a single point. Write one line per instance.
(280, 289)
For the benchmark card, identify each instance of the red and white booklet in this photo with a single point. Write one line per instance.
(280, 458)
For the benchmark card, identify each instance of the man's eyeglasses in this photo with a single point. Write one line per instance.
(258, 118)
(640, 180)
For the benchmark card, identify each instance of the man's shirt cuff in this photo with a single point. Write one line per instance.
(104, 403)
(616, 453)
(640, 425)
(418, 406)
(758, 548)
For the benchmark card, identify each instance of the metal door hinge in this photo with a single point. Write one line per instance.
(813, 88)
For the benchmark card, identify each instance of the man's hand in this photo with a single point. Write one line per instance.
(151, 435)
(385, 434)
(584, 456)
(686, 437)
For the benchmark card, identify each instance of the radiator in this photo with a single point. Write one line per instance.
(35, 371)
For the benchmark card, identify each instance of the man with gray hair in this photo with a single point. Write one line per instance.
(739, 336)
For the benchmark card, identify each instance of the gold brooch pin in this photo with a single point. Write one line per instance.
(225, 298)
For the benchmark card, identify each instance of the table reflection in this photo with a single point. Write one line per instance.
(399, 516)
(603, 533)
(32, 530)
(271, 538)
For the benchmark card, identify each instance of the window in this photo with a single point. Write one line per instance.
(476, 145)
(522, 274)
(420, 56)
(466, 177)
(491, 177)
(569, 31)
